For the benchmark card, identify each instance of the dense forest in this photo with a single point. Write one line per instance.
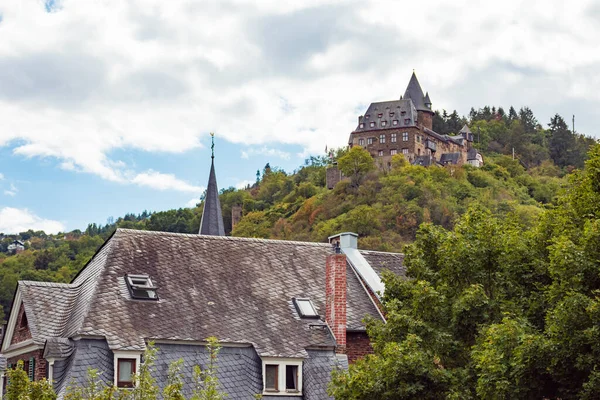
(385, 208)
(495, 308)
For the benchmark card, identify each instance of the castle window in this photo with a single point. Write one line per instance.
(407, 121)
(379, 115)
(393, 152)
(361, 125)
(403, 112)
(404, 151)
(391, 114)
(361, 142)
(395, 122)
(380, 153)
(372, 125)
(419, 138)
(383, 123)
(381, 138)
(393, 137)
(405, 136)
(370, 140)
(367, 116)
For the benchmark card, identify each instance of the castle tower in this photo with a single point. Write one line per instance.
(212, 218)
(421, 101)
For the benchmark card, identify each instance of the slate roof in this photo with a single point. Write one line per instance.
(385, 109)
(212, 218)
(237, 289)
(450, 158)
(415, 93)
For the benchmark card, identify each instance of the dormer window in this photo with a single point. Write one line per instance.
(383, 123)
(391, 114)
(395, 122)
(282, 376)
(305, 308)
(361, 125)
(141, 287)
(379, 115)
(372, 124)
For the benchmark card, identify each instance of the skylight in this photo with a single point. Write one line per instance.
(141, 287)
(305, 308)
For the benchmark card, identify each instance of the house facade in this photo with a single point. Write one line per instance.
(286, 313)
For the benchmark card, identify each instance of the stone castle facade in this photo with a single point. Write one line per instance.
(405, 126)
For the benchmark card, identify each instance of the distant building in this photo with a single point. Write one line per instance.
(15, 247)
(405, 127)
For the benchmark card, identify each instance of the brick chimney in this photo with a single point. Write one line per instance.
(335, 298)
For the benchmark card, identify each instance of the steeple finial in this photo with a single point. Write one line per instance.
(212, 218)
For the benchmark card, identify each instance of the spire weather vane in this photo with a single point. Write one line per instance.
(212, 147)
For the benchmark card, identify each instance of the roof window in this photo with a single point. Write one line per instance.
(305, 308)
(141, 287)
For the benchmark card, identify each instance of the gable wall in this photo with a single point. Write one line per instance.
(358, 345)
(20, 334)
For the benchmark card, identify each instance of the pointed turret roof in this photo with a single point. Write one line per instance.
(212, 218)
(427, 100)
(415, 93)
(465, 129)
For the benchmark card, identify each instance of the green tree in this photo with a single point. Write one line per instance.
(355, 164)
(207, 381)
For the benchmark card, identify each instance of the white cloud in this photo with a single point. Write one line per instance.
(1, 176)
(265, 151)
(14, 220)
(160, 181)
(269, 72)
(12, 191)
(192, 202)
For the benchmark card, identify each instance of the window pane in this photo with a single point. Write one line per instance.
(291, 377)
(306, 308)
(126, 370)
(271, 377)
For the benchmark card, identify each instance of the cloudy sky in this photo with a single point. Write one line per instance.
(106, 106)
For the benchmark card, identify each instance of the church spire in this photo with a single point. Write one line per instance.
(212, 218)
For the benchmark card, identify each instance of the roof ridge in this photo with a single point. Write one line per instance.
(48, 284)
(380, 252)
(232, 238)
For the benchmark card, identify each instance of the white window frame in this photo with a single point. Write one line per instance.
(405, 151)
(361, 125)
(281, 364)
(129, 355)
(380, 153)
(405, 136)
(370, 140)
(394, 138)
(382, 138)
(372, 125)
(393, 152)
(361, 142)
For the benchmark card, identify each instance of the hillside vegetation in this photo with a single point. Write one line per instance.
(384, 207)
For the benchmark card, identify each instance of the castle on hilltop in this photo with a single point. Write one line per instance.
(405, 127)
